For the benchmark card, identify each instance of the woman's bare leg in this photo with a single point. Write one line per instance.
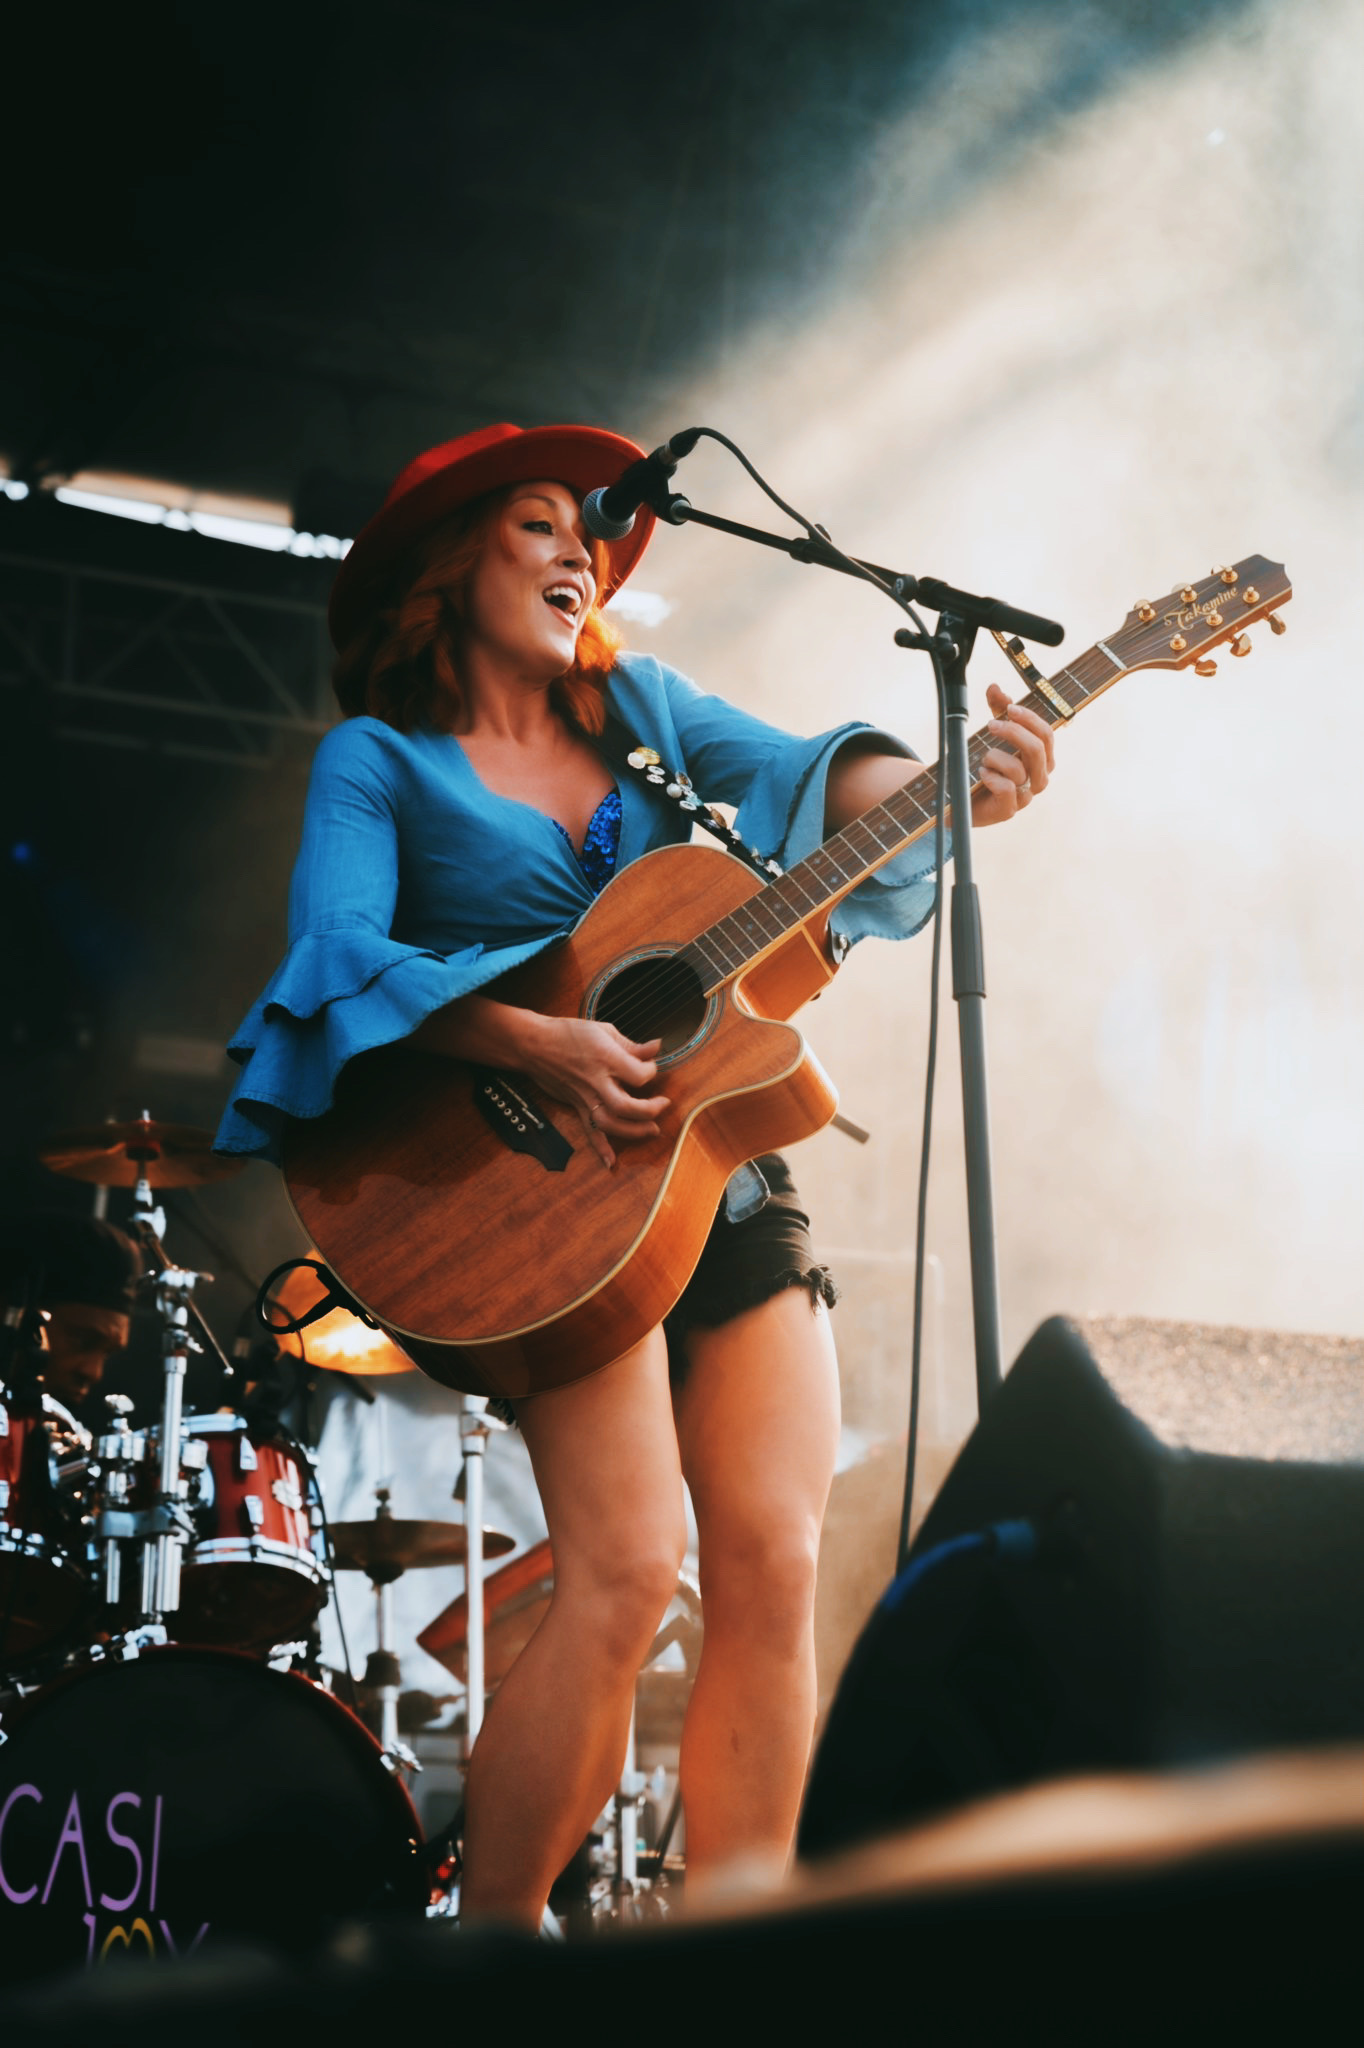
(605, 1457)
(758, 1423)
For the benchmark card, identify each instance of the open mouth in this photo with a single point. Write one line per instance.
(565, 598)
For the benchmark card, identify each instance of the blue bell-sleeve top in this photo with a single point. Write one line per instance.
(415, 883)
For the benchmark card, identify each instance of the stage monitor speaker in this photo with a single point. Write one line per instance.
(1084, 1595)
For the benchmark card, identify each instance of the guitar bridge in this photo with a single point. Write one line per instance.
(505, 1110)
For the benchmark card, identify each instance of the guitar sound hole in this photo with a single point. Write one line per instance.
(658, 998)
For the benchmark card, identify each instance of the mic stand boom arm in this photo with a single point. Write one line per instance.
(991, 612)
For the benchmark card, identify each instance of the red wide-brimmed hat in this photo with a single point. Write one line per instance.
(444, 478)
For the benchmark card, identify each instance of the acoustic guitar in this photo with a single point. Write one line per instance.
(465, 1210)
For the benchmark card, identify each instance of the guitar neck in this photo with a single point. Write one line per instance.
(810, 888)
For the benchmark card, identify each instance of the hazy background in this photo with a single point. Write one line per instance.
(1135, 356)
(1058, 302)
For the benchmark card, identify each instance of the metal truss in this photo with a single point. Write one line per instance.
(155, 665)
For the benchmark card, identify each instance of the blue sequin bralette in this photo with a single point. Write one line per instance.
(601, 844)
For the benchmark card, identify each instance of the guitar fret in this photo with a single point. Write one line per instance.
(863, 842)
(825, 858)
(883, 826)
(749, 931)
(756, 922)
(727, 943)
(711, 961)
(790, 880)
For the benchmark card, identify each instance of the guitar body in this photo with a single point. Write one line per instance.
(511, 1271)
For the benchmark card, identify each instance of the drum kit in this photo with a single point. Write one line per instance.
(176, 1763)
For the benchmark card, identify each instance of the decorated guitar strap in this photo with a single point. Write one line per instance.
(746, 1190)
(620, 751)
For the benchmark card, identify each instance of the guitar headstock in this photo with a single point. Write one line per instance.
(1182, 628)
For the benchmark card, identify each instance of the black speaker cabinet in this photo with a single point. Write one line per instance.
(1179, 1604)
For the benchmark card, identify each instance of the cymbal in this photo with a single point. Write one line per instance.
(119, 1155)
(339, 1341)
(384, 1547)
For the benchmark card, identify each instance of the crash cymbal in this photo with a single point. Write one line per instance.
(384, 1547)
(339, 1341)
(119, 1155)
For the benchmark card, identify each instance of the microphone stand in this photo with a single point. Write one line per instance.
(961, 614)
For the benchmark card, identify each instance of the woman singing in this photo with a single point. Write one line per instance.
(459, 820)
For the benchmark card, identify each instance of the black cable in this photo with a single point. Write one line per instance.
(327, 1541)
(925, 1149)
(859, 569)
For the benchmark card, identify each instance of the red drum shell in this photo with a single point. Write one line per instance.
(251, 1578)
(45, 1589)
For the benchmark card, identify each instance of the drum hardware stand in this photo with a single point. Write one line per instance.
(127, 1644)
(476, 1425)
(166, 1528)
(625, 1818)
(627, 1886)
(382, 1669)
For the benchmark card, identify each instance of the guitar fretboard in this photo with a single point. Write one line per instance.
(875, 837)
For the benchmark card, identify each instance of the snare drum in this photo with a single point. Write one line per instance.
(45, 1582)
(254, 1574)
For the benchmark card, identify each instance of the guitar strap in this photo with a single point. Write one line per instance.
(622, 753)
(746, 1191)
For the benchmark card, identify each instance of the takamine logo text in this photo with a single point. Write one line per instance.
(1192, 613)
(114, 1860)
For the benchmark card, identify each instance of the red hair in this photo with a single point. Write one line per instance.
(401, 665)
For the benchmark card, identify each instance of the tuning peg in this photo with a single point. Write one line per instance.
(1241, 644)
(1178, 644)
(1250, 595)
(1227, 575)
(1276, 624)
(1213, 619)
(1145, 611)
(1206, 667)
(1188, 595)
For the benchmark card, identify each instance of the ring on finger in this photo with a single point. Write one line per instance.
(592, 1117)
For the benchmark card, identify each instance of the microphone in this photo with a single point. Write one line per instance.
(609, 511)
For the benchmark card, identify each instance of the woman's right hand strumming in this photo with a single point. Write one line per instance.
(593, 1067)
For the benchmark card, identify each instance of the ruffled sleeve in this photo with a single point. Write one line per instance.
(344, 986)
(783, 814)
(778, 783)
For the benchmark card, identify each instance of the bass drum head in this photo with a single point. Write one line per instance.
(186, 1798)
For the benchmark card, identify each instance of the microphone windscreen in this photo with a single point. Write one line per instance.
(599, 522)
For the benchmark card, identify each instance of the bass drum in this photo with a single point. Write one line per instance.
(187, 1798)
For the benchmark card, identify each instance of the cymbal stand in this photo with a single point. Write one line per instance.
(382, 1670)
(475, 1427)
(166, 1529)
(625, 1817)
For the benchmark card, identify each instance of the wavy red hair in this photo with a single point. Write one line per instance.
(402, 666)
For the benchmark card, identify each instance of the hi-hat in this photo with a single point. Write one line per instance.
(120, 1155)
(384, 1547)
(338, 1341)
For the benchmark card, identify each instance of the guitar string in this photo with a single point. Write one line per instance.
(642, 1007)
(1088, 674)
(650, 991)
(1078, 683)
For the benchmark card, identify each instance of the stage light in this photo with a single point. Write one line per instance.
(269, 534)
